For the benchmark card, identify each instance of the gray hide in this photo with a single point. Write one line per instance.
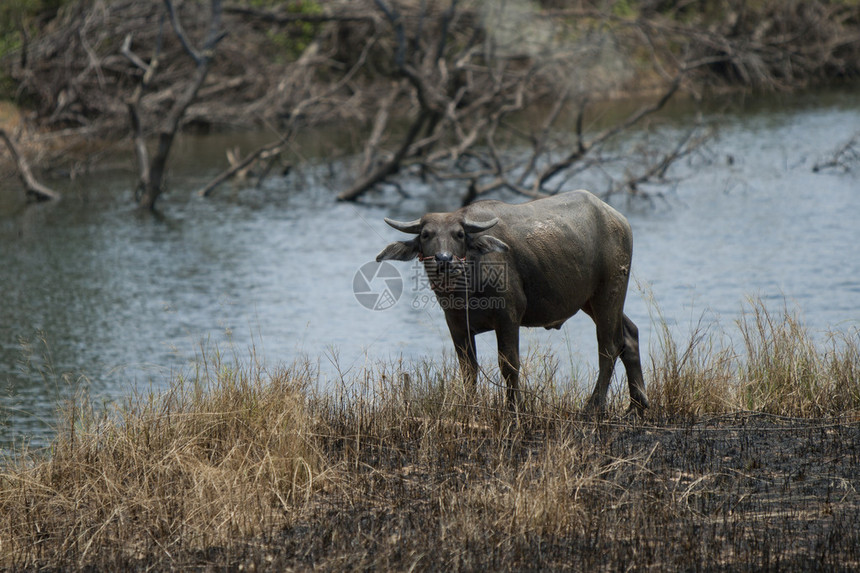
(495, 266)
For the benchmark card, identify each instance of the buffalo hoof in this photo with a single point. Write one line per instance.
(640, 402)
(594, 408)
(633, 412)
(637, 408)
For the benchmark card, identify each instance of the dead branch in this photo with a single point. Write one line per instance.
(33, 187)
(282, 17)
(584, 147)
(461, 98)
(843, 159)
(264, 152)
(270, 151)
(391, 167)
(774, 45)
(433, 77)
(380, 124)
(71, 65)
(656, 171)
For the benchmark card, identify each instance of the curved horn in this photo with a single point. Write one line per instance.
(408, 227)
(476, 227)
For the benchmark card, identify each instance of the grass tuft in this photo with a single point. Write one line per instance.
(777, 369)
(785, 373)
(692, 379)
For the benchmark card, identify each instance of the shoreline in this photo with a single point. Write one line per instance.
(274, 69)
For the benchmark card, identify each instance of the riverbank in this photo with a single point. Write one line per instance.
(290, 66)
(744, 462)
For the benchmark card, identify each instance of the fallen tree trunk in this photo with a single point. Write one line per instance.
(33, 187)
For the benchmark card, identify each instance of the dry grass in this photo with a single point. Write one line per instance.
(695, 378)
(786, 374)
(218, 458)
(777, 369)
(749, 460)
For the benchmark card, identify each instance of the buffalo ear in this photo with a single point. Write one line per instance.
(399, 251)
(489, 244)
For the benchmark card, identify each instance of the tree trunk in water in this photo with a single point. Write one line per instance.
(151, 182)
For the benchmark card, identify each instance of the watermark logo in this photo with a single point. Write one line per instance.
(377, 286)
(430, 300)
(486, 277)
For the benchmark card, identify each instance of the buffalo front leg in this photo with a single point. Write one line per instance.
(508, 339)
(464, 346)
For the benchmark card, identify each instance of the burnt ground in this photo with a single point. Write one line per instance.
(743, 492)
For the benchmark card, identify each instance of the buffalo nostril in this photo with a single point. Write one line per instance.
(445, 257)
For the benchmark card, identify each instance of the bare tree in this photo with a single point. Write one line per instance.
(152, 171)
(465, 80)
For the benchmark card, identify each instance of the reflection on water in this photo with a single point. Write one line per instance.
(97, 297)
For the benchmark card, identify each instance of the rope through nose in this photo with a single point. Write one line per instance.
(422, 258)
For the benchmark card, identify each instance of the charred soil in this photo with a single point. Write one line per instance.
(741, 492)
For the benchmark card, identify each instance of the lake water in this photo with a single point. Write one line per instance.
(97, 297)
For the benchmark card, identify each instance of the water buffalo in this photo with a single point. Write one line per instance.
(496, 266)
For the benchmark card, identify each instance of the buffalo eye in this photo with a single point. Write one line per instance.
(425, 234)
(460, 234)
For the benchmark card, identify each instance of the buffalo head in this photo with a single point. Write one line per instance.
(444, 242)
(441, 237)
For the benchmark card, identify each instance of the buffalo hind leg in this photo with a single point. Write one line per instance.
(617, 335)
(609, 346)
(633, 366)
